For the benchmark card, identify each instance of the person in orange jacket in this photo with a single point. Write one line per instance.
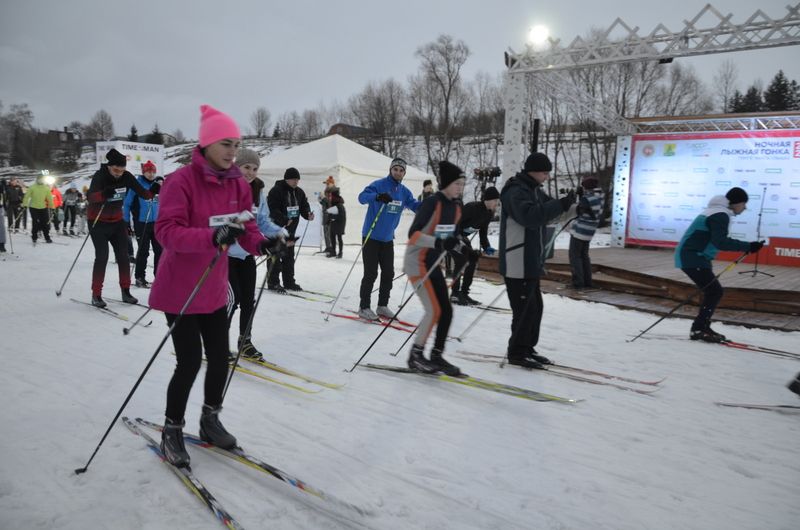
(58, 203)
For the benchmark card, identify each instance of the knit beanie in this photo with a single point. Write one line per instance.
(427, 182)
(148, 167)
(589, 182)
(448, 173)
(397, 161)
(247, 156)
(215, 126)
(291, 173)
(115, 158)
(538, 162)
(490, 193)
(736, 195)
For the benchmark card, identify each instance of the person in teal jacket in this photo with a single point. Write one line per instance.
(385, 199)
(705, 237)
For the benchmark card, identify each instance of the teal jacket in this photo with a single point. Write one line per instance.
(706, 236)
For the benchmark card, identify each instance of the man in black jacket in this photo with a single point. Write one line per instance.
(526, 211)
(287, 203)
(475, 216)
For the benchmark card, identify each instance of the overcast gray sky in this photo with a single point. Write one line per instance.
(148, 62)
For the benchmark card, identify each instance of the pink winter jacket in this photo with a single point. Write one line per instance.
(189, 198)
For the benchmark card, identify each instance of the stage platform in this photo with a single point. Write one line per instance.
(647, 280)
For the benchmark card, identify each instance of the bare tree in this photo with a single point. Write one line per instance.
(177, 134)
(379, 107)
(310, 124)
(725, 81)
(18, 118)
(682, 93)
(441, 62)
(261, 120)
(289, 124)
(100, 127)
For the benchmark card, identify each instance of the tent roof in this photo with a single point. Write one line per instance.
(327, 154)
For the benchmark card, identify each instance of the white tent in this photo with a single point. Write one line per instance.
(353, 166)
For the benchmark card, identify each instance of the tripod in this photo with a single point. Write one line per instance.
(758, 238)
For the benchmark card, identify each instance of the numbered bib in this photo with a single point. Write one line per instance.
(444, 231)
(394, 207)
(469, 230)
(292, 212)
(119, 194)
(219, 220)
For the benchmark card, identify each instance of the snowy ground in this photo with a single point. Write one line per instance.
(419, 453)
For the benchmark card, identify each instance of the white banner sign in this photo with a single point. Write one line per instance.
(137, 154)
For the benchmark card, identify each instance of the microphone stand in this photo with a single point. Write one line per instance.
(758, 238)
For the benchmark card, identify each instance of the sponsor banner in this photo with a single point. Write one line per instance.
(137, 154)
(674, 176)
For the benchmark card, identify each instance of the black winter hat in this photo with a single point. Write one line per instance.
(538, 162)
(427, 182)
(291, 173)
(449, 173)
(736, 195)
(115, 158)
(490, 193)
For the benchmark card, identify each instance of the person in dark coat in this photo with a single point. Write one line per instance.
(526, 211)
(287, 203)
(109, 186)
(705, 237)
(337, 221)
(475, 217)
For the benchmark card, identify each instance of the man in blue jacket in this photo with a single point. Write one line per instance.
(386, 199)
(705, 237)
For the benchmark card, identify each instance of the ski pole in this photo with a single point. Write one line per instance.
(353, 266)
(483, 312)
(270, 263)
(394, 317)
(191, 298)
(455, 279)
(85, 239)
(125, 331)
(689, 298)
(393, 280)
(297, 255)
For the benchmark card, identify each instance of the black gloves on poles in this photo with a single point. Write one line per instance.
(384, 198)
(226, 235)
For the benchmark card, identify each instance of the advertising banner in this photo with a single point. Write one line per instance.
(673, 177)
(137, 153)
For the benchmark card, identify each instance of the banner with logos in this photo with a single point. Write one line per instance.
(137, 153)
(673, 177)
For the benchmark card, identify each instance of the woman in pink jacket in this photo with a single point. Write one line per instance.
(199, 216)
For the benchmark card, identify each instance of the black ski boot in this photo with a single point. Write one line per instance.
(98, 301)
(142, 283)
(418, 362)
(172, 443)
(526, 361)
(469, 301)
(128, 298)
(212, 431)
(292, 287)
(442, 365)
(247, 350)
(276, 287)
(720, 336)
(539, 358)
(706, 336)
(794, 386)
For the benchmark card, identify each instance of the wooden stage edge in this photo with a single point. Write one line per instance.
(647, 280)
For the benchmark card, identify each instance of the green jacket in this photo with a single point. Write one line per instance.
(38, 196)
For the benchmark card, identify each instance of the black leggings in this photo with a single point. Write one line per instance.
(334, 238)
(192, 333)
(705, 280)
(103, 234)
(242, 288)
(70, 212)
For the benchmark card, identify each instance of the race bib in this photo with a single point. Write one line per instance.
(444, 231)
(219, 220)
(292, 212)
(119, 194)
(394, 207)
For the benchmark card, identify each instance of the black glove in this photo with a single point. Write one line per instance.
(159, 180)
(755, 246)
(155, 188)
(450, 244)
(385, 198)
(226, 235)
(567, 200)
(269, 247)
(109, 191)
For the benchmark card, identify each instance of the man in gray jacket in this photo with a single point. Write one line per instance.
(526, 211)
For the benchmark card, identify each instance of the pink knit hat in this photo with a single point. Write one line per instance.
(215, 126)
